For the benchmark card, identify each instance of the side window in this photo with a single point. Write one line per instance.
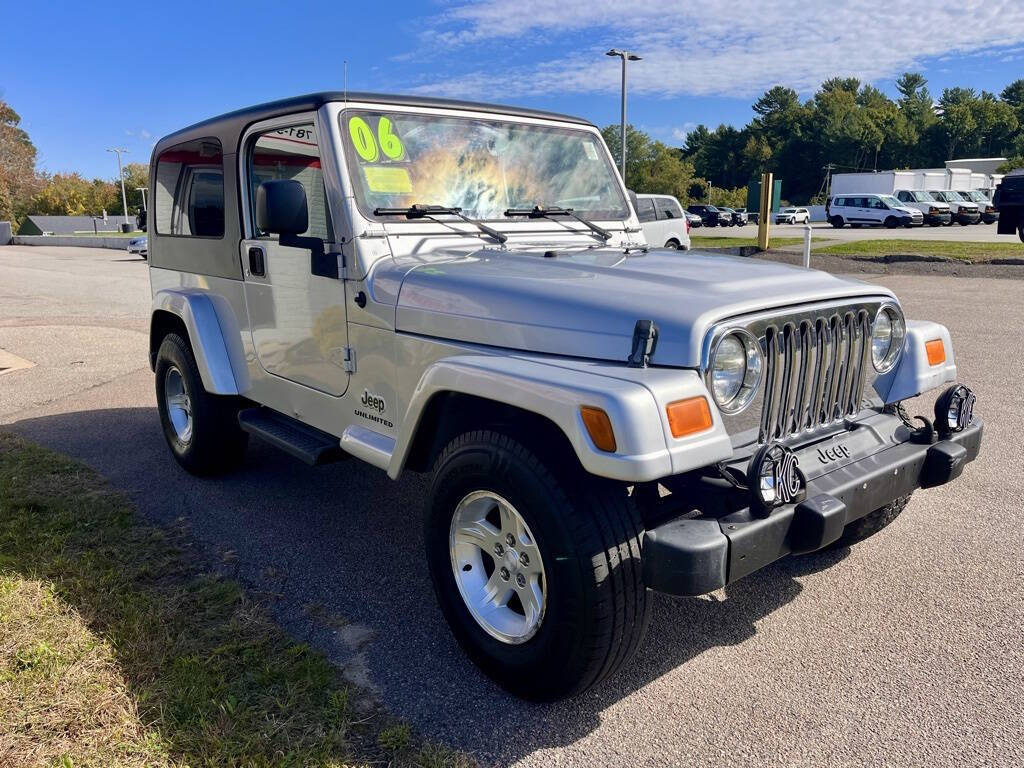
(291, 153)
(904, 197)
(645, 209)
(190, 190)
(670, 208)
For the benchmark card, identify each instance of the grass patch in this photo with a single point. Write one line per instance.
(970, 252)
(116, 649)
(714, 241)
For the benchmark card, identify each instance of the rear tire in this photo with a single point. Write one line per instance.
(872, 522)
(586, 532)
(201, 429)
(672, 245)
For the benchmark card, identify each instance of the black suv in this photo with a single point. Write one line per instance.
(1009, 202)
(711, 216)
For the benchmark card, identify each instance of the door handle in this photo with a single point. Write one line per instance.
(257, 261)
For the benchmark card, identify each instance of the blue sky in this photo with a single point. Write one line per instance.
(107, 74)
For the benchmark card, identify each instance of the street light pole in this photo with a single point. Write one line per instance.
(120, 173)
(625, 56)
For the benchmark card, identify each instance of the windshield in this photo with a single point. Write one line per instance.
(891, 201)
(484, 167)
(789, 210)
(922, 197)
(976, 196)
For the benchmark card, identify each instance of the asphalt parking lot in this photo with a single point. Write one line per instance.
(906, 650)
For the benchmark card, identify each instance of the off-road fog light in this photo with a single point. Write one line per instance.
(735, 371)
(954, 410)
(887, 334)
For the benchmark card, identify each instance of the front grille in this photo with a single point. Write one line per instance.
(815, 371)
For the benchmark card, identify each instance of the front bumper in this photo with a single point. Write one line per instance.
(692, 555)
(968, 217)
(989, 218)
(938, 218)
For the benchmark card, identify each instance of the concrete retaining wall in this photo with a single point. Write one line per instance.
(117, 243)
(5, 232)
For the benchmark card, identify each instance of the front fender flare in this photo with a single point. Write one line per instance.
(214, 336)
(634, 400)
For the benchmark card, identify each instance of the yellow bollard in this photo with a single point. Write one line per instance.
(763, 220)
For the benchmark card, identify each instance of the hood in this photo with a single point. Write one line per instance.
(585, 303)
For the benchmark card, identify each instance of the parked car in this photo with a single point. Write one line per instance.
(694, 219)
(138, 245)
(726, 217)
(662, 220)
(964, 211)
(710, 215)
(739, 217)
(935, 212)
(377, 277)
(871, 210)
(986, 208)
(1009, 202)
(793, 216)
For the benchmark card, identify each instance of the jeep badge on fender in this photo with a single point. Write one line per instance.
(599, 419)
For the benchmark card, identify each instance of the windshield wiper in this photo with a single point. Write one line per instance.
(420, 211)
(537, 212)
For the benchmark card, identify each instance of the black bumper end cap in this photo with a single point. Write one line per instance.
(685, 557)
(817, 522)
(945, 461)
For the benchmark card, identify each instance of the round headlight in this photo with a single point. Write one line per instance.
(735, 371)
(887, 334)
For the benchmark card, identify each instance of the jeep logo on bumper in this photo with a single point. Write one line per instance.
(774, 478)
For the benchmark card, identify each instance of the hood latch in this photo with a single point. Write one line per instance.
(645, 341)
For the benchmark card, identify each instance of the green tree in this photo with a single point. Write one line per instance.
(18, 178)
(651, 166)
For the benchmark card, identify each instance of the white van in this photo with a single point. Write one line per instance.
(871, 210)
(662, 220)
(936, 212)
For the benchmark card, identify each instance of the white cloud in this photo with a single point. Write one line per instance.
(682, 131)
(737, 49)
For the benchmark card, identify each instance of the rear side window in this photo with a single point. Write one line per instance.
(190, 190)
(668, 208)
(645, 209)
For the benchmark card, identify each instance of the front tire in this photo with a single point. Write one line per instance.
(201, 429)
(578, 609)
(837, 222)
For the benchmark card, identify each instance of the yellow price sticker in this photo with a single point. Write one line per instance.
(388, 180)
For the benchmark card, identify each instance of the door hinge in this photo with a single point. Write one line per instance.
(350, 360)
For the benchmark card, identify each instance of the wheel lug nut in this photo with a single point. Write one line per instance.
(524, 559)
(499, 550)
(510, 540)
(520, 580)
(504, 573)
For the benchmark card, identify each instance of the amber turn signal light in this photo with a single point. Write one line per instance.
(936, 351)
(686, 417)
(599, 427)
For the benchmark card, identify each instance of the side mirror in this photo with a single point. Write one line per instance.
(281, 210)
(281, 207)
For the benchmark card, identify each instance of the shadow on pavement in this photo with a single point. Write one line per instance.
(344, 542)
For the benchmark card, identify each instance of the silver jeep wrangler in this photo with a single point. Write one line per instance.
(464, 289)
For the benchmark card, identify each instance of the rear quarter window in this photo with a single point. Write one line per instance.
(190, 190)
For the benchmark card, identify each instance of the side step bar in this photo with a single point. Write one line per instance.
(302, 441)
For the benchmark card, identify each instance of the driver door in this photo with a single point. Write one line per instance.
(297, 319)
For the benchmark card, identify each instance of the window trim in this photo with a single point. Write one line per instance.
(178, 189)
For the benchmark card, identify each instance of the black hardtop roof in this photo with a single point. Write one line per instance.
(230, 126)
